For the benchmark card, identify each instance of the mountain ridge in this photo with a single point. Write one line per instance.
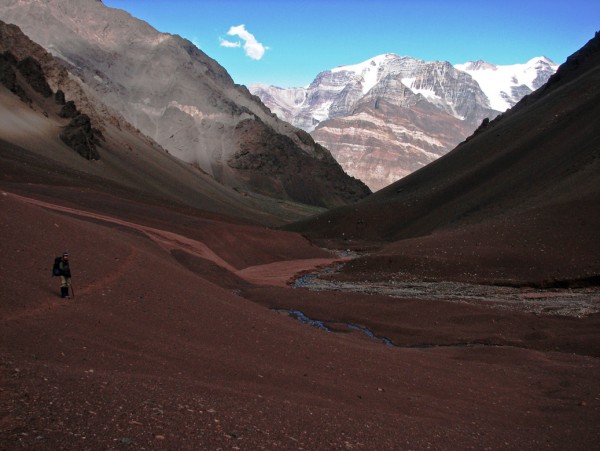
(340, 111)
(176, 95)
(43, 139)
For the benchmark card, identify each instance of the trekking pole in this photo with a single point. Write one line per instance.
(72, 291)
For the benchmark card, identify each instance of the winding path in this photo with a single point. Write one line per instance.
(274, 274)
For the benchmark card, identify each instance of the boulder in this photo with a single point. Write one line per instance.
(8, 76)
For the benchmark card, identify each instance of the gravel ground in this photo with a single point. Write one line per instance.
(566, 302)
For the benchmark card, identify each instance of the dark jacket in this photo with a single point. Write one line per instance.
(64, 268)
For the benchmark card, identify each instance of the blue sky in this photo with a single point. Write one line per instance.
(287, 43)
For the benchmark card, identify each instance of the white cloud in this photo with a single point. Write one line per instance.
(252, 47)
(229, 44)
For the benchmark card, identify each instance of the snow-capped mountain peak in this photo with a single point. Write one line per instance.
(475, 65)
(390, 115)
(542, 60)
(368, 72)
(506, 85)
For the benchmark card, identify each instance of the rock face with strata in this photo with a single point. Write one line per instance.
(164, 86)
(391, 115)
(270, 162)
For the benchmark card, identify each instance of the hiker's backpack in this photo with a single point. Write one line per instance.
(56, 266)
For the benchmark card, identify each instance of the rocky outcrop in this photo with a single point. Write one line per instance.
(14, 40)
(34, 75)
(68, 110)
(8, 76)
(27, 79)
(271, 161)
(59, 97)
(30, 71)
(80, 136)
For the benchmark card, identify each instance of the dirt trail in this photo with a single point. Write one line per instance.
(278, 273)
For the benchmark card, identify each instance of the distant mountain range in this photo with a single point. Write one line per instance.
(378, 121)
(182, 99)
(391, 115)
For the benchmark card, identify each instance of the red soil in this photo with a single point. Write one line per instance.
(166, 345)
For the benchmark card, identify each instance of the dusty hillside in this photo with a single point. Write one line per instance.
(182, 99)
(125, 163)
(516, 203)
(35, 160)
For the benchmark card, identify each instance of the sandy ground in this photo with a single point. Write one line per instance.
(168, 345)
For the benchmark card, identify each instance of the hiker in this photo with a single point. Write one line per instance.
(61, 268)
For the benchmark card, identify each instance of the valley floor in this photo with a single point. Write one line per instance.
(176, 340)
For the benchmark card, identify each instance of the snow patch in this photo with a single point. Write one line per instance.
(368, 71)
(322, 113)
(429, 94)
(497, 81)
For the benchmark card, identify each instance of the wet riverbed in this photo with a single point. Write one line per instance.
(567, 302)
